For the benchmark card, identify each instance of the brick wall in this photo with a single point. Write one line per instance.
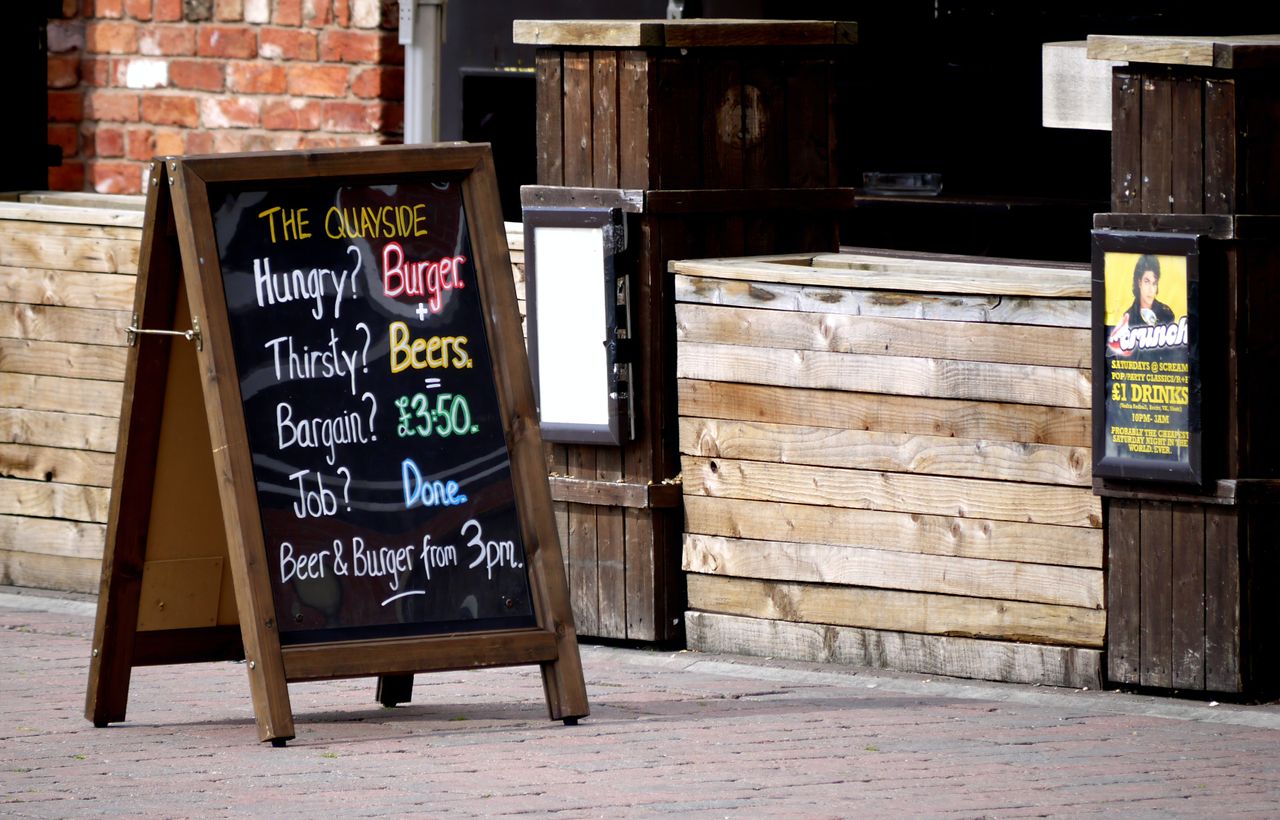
(133, 79)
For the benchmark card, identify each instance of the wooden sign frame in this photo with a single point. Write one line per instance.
(180, 291)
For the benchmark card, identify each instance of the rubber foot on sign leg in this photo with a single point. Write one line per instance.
(570, 721)
(100, 724)
(279, 742)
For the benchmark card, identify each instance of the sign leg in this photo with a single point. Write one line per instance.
(394, 690)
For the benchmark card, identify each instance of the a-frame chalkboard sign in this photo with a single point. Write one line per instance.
(338, 472)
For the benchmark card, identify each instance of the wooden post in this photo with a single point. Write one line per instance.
(1196, 129)
(727, 130)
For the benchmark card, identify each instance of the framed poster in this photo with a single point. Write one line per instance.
(1146, 357)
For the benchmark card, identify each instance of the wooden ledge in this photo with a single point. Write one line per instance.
(683, 33)
(614, 493)
(1250, 51)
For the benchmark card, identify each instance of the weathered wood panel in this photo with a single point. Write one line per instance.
(888, 569)
(44, 429)
(892, 492)
(891, 447)
(898, 611)
(899, 651)
(75, 361)
(839, 333)
(896, 375)
(37, 286)
(1038, 424)
(898, 452)
(41, 499)
(905, 532)
(767, 295)
(88, 396)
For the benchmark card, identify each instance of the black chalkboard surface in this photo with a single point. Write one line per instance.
(379, 458)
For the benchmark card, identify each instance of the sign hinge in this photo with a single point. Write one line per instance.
(193, 335)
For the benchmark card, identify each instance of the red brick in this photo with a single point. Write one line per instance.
(338, 46)
(202, 75)
(230, 112)
(96, 71)
(139, 143)
(69, 176)
(162, 109)
(318, 81)
(67, 137)
(226, 142)
(256, 78)
(139, 9)
(66, 106)
(167, 142)
(291, 115)
(69, 8)
(63, 70)
(107, 105)
(379, 83)
(113, 9)
(168, 11)
(197, 142)
(116, 177)
(235, 42)
(288, 44)
(108, 142)
(228, 10)
(317, 13)
(342, 13)
(111, 38)
(170, 41)
(351, 117)
(287, 13)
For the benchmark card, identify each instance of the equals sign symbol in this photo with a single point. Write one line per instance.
(432, 384)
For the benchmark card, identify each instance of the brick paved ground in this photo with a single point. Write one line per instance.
(670, 733)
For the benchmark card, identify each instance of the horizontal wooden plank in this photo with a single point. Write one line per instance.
(887, 569)
(51, 536)
(964, 341)
(72, 212)
(691, 33)
(60, 572)
(888, 452)
(990, 421)
(59, 395)
(960, 276)
(84, 199)
(770, 295)
(901, 532)
(1035, 664)
(44, 429)
(895, 375)
(70, 359)
(99, 291)
(892, 492)
(870, 272)
(47, 499)
(898, 611)
(56, 464)
(613, 493)
(1251, 51)
(459, 651)
(63, 324)
(60, 248)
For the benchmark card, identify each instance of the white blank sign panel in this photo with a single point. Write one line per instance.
(571, 322)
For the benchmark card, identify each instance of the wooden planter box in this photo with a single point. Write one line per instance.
(886, 463)
(67, 268)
